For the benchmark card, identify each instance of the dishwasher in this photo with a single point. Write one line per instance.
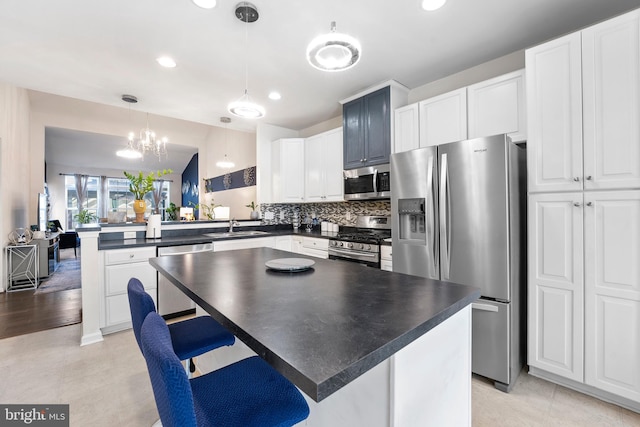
(172, 302)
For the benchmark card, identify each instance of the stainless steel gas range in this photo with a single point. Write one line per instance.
(361, 243)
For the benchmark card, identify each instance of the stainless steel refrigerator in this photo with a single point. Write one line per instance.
(459, 215)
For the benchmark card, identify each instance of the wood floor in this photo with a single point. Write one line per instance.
(23, 312)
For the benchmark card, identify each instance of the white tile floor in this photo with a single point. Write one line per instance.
(106, 384)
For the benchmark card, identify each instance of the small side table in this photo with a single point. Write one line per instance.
(22, 262)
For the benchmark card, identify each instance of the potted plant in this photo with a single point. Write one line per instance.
(254, 213)
(172, 212)
(140, 185)
(85, 217)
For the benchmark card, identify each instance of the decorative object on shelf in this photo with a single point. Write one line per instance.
(85, 217)
(227, 181)
(207, 209)
(249, 176)
(245, 107)
(146, 143)
(254, 213)
(20, 236)
(333, 51)
(225, 163)
(140, 185)
(231, 180)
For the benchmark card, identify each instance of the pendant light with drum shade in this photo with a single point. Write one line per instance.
(225, 163)
(334, 51)
(245, 107)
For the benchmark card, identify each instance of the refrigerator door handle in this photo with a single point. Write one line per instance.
(444, 217)
(484, 307)
(431, 218)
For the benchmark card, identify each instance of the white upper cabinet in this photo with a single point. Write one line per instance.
(611, 103)
(583, 107)
(323, 167)
(407, 128)
(497, 106)
(443, 118)
(554, 109)
(287, 170)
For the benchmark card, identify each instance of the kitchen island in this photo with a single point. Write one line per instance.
(367, 347)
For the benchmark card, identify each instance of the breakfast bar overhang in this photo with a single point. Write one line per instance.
(367, 347)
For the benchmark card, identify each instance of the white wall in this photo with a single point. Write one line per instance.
(241, 149)
(15, 166)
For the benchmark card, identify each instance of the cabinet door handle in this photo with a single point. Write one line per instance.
(131, 255)
(588, 178)
(364, 160)
(577, 204)
(589, 204)
(576, 179)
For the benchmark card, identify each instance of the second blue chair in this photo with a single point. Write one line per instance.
(190, 338)
(248, 393)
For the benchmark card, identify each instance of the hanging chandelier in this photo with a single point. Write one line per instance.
(245, 107)
(333, 51)
(146, 142)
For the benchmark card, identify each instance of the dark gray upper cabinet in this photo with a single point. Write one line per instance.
(367, 129)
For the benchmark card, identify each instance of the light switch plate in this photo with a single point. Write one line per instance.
(268, 215)
(281, 215)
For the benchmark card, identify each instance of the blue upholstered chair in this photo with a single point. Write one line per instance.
(190, 338)
(244, 394)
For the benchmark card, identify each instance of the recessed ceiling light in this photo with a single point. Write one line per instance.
(431, 5)
(205, 4)
(275, 96)
(166, 61)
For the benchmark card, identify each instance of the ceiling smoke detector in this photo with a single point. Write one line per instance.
(130, 99)
(247, 12)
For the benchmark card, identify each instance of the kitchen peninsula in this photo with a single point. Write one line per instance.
(367, 347)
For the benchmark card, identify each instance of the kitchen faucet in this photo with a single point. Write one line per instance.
(232, 222)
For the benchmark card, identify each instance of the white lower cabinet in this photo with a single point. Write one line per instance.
(612, 292)
(283, 243)
(315, 247)
(385, 258)
(584, 289)
(260, 242)
(120, 265)
(556, 285)
(296, 244)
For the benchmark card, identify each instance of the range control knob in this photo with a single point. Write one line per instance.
(368, 247)
(350, 245)
(341, 244)
(360, 246)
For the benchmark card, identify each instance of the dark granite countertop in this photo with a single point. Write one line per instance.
(321, 328)
(196, 236)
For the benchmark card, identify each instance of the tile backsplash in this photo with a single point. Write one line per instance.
(342, 213)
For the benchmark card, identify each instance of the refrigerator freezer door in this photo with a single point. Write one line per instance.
(414, 207)
(474, 215)
(490, 340)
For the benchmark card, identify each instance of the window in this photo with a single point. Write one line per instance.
(118, 198)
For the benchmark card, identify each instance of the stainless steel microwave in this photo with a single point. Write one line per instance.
(373, 182)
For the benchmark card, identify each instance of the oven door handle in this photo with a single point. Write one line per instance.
(365, 254)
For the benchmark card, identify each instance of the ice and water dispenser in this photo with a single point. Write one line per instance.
(411, 219)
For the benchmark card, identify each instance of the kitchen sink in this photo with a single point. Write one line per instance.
(227, 235)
